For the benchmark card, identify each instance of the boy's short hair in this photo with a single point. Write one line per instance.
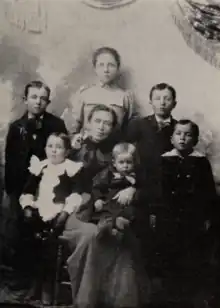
(64, 137)
(194, 126)
(163, 86)
(100, 107)
(36, 84)
(105, 49)
(125, 147)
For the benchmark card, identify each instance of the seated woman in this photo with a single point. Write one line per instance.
(52, 193)
(106, 272)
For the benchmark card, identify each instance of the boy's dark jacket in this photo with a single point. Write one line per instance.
(24, 139)
(151, 141)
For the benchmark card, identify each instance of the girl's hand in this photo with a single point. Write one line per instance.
(76, 142)
(99, 205)
(125, 196)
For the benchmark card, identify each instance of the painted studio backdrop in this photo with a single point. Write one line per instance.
(159, 41)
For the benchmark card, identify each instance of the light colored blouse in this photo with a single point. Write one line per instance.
(121, 101)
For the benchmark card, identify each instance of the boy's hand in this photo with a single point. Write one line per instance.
(121, 223)
(99, 205)
(125, 196)
(76, 142)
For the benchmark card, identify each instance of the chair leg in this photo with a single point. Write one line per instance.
(57, 276)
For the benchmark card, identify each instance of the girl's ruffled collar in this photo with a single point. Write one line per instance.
(68, 166)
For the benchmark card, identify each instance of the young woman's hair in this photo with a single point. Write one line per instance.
(109, 50)
(163, 86)
(194, 128)
(64, 137)
(125, 147)
(36, 84)
(106, 109)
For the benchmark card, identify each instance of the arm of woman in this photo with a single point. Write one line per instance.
(74, 114)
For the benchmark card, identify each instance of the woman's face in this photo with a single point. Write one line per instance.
(106, 68)
(100, 125)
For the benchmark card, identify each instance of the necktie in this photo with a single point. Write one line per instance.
(162, 125)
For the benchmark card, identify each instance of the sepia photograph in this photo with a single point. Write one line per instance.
(110, 153)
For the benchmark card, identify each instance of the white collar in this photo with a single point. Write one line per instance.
(71, 167)
(32, 117)
(174, 152)
(159, 120)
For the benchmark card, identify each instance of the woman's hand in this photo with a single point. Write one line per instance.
(125, 196)
(76, 142)
(99, 205)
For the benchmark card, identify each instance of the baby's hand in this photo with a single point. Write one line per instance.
(76, 142)
(125, 196)
(121, 223)
(99, 205)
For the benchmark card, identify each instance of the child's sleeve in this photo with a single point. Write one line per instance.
(74, 114)
(32, 184)
(80, 189)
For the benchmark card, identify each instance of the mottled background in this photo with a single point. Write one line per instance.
(54, 40)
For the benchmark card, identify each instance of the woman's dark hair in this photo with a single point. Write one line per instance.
(194, 128)
(163, 86)
(106, 109)
(64, 137)
(109, 50)
(36, 84)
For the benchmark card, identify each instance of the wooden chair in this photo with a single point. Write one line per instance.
(62, 286)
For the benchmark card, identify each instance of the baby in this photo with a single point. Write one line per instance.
(112, 216)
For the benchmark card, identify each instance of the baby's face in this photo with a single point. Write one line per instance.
(55, 150)
(106, 68)
(162, 102)
(124, 163)
(182, 138)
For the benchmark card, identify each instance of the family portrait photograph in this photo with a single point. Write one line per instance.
(110, 153)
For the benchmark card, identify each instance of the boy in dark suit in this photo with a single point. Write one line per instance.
(152, 136)
(27, 136)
